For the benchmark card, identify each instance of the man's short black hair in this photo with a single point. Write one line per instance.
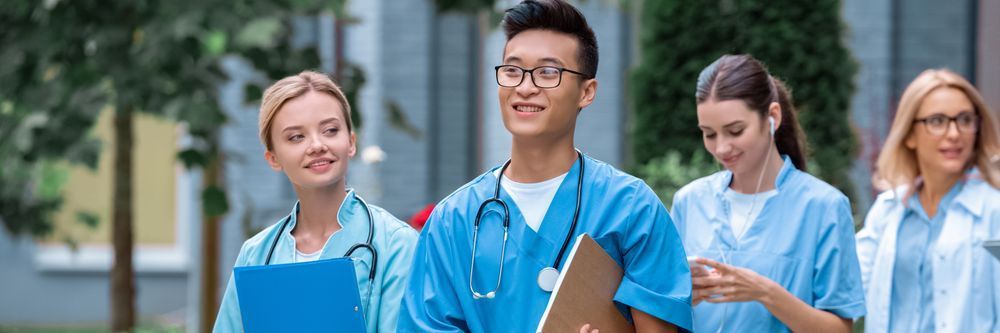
(558, 16)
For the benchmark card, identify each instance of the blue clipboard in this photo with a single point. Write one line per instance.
(317, 296)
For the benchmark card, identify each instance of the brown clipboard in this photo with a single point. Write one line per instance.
(584, 292)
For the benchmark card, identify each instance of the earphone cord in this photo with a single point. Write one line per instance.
(746, 225)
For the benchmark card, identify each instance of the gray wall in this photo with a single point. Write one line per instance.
(988, 66)
(932, 34)
(869, 37)
(29, 296)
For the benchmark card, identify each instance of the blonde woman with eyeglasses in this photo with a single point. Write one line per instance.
(922, 262)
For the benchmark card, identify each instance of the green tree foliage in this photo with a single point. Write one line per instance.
(800, 41)
(65, 61)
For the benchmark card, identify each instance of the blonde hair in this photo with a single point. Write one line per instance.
(898, 163)
(291, 87)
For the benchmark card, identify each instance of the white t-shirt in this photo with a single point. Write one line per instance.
(307, 257)
(740, 216)
(532, 199)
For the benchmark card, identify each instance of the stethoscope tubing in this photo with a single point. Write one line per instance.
(368, 245)
(506, 225)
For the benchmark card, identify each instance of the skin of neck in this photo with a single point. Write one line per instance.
(935, 186)
(537, 160)
(746, 182)
(317, 217)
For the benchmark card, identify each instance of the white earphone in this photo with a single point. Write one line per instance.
(771, 120)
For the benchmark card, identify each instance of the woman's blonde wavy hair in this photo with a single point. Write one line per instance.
(897, 163)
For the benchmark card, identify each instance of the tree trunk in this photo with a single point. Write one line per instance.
(210, 250)
(122, 273)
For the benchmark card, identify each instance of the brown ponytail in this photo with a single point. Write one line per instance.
(741, 77)
(789, 137)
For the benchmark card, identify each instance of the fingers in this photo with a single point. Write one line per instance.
(726, 295)
(586, 329)
(699, 271)
(699, 295)
(724, 299)
(707, 281)
(712, 263)
(706, 293)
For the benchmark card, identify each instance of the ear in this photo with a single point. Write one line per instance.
(911, 141)
(589, 93)
(354, 145)
(774, 111)
(272, 160)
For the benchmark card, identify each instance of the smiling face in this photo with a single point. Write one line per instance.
(532, 112)
(950, 152)
(736, 136)
(311, 142)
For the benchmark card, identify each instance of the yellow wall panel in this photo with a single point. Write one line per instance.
(155, 170)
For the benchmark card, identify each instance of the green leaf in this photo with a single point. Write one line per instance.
(52, 180)
(86, 152)
(214, 43)
(88, 218)
(252, 93)
(213, 200)
(71, 243)
(399, 121)
(262, 33)
(192, 158)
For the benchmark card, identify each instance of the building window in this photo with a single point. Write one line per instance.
(162, 205)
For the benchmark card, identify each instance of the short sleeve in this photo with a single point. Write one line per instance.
(430, 303)
(836, 275)
(657, 280)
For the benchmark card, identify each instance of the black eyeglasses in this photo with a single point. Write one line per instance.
(543, 77)
(967, 122)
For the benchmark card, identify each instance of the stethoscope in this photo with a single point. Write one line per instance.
(366, 245)
(546, 276)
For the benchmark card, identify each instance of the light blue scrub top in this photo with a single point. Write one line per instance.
(394, 241)
(619, 211)
(803, 240)
(912, 285)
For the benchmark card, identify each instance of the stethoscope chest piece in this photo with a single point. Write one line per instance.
(547, 278)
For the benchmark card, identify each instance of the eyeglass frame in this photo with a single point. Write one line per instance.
(947, 125)
(531, 72)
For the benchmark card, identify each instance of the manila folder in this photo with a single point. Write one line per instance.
(584, 292)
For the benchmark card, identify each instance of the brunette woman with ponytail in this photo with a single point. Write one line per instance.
(771, 247)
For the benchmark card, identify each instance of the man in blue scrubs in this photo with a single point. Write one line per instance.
(551, 193)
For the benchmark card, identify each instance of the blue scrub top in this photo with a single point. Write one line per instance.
(619, 211)
(394, 241)
(912, 285)
(803, 239)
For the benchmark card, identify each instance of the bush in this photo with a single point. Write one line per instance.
(800, 41)
(668, 173)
